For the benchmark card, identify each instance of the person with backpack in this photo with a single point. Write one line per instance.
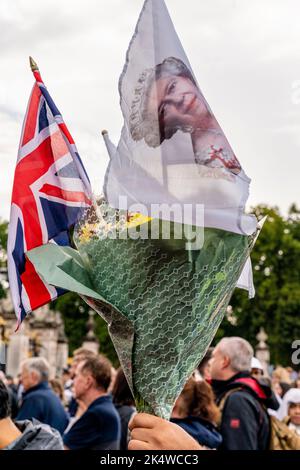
(242, 399)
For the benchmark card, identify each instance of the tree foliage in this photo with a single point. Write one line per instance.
(276, 270)
(75, 314)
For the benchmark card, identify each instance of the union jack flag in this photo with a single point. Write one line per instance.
(50, 191)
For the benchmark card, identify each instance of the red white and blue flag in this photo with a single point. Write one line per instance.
(50, 191)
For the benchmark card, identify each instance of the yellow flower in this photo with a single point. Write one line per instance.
(134, 220)
(87, 232)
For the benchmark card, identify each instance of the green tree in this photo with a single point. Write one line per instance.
(75, 314)
(276, 268)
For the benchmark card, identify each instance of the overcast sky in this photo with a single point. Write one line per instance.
(246, 56)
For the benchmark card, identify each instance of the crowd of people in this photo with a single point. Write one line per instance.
(228, 404)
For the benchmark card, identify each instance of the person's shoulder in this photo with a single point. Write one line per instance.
(33, 396)
(46, 398)
(103, 407)
(239, 394)
(104, 401)
(39, 390)
(241, 399)
(45, 394)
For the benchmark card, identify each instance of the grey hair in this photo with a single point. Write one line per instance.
(143, 124)
(38, 365)
(239, 351)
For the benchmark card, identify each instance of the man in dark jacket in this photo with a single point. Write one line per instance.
(24, 435)
(39, 400)
(99, 427)
(243, 400)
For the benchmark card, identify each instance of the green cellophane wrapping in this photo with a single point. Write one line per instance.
(163, 303)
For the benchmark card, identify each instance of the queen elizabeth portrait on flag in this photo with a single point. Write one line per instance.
(168, 99)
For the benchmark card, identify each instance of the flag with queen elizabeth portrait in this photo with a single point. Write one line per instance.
(159, 255)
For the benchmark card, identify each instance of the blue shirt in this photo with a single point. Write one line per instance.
(99, 428)
(41, 403)
(201, 430)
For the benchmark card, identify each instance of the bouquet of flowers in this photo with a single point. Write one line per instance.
(162, 302)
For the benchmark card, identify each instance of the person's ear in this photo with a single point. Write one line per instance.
(225, 362)
(89, 381)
